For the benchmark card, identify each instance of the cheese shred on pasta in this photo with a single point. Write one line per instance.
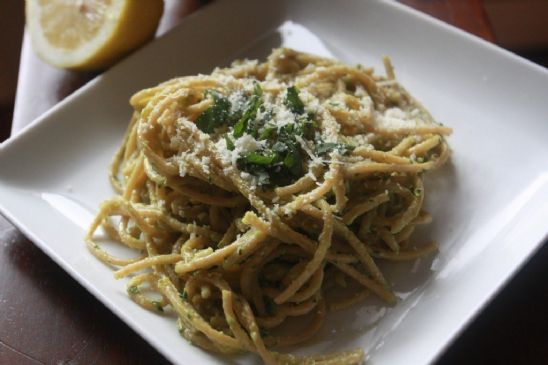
(268, 191)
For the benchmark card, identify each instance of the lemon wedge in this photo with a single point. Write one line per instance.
(90, 34)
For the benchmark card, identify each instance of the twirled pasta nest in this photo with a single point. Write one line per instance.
(266, 191)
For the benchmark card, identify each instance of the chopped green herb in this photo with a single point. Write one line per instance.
(257, 89)
(258, 159)
(240, 127)
(324, 148)
(132, 290)
(307, 127)
(183, 295)
(267, 132)
(293, 162)
(293, 102)
(229, 143)
(250, 112)
(278, 166)
(216, 115)
(280, 159)
(264, 332)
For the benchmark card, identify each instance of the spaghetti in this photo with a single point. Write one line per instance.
(267, 191)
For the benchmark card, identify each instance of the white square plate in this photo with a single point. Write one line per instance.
(490, 204)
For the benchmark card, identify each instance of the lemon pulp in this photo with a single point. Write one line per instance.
(90, 34)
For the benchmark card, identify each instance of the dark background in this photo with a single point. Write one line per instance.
(46, 317)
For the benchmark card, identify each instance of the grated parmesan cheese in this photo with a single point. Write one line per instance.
(394, 118)
(283, 116)
(246, 144)
(243, 145)
(237, 100)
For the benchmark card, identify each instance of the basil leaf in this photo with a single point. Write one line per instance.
(216, 115)
(267, 132)
(280, 161)
(250, 113)
(307, 127)
(257, 89)
(293, 102)
(258, 159)
(293, 162)
(261, 172)
(240, 127)
(229, 143)
(324, 148)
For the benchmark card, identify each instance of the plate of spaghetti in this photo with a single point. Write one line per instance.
(288, 194)
(256, 193)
